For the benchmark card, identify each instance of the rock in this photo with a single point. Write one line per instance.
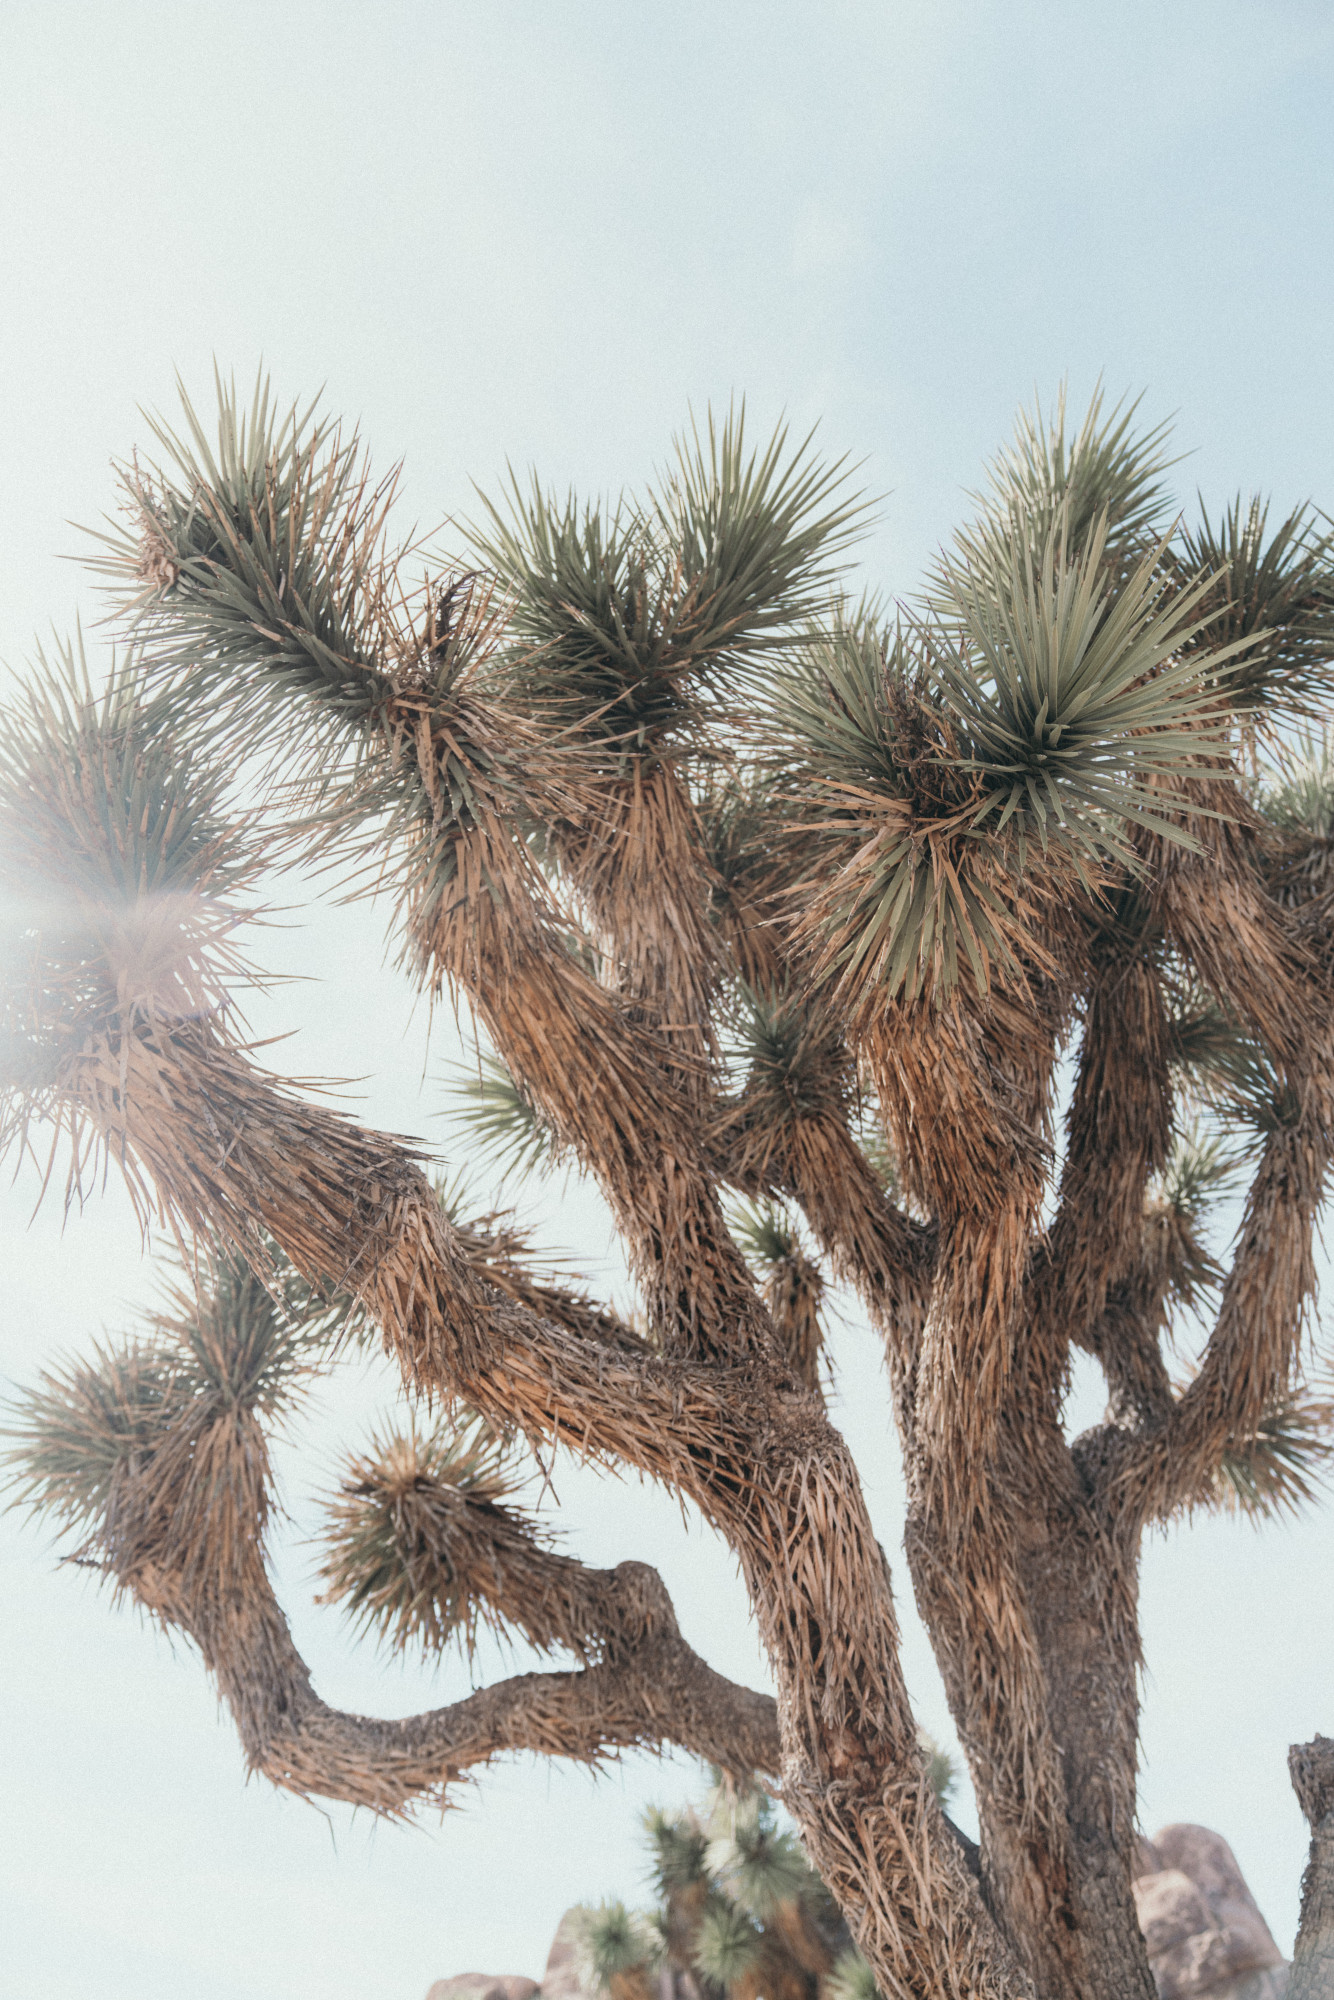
(1171, 1909)
(484, 1986)
(564, 1977)
(1269, 1985)
(1205, 1935)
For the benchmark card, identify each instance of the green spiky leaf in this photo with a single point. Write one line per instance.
(851, 1979)
(766, 1231)
(614, 1940)
(679, 1849)
(727, 1943)
(501, 1130)
(122, 881)
(84, 1422)
(223, 1344)
(941, 1770)
(622, 614)
(1278, 594)
(1285, 1466)
(759, 1867)
(1106, 471)
(1070, 690)
(1299, 798)
(1201, 1170)
(254, 559)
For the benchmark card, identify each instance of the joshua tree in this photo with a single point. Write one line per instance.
(741, 1913)
(757, 894)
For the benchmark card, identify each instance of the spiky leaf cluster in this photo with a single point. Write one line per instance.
(621, 617)
(147, 1446)
(1299, 799)
(1109, 472)
(1277, 595)
(499, 1125)
(791, 1282)
(728, 1945)
(122, 880)
(1065, 672)
(741, 1912)
(618, 1948)
(1035, 713)
(265, 542)
(1285, 1465)
(422, 1539)
(852, 1979)
(272, 619)
(757, 1864)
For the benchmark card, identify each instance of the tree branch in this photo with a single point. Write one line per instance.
(1118, 1129)
(1248, 1362)
(788, 1133)
(644, 1686)
(651, 1689)
(217, 1147)
(601, 1081)
(1126, 1341)
(1248, 950)
(223, 1148)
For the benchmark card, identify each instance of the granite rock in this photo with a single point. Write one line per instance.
(564, 1978)
(1204, 1932)
(484, 1986)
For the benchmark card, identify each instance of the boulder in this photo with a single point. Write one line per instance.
(1171, 1910)
(1204, 1932)
(1205, 1935)
(484, 1986)
(564, 1977)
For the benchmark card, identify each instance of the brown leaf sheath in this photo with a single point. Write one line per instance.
(601, 1082)
(1118, 1130)
(638, 865)
(1311, 1766)
(1256, 1338)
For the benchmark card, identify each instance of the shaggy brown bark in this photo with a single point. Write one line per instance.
(836, 963)
(1312, 1769)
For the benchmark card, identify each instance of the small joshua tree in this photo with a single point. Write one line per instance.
(757, 895)
(740, 1913)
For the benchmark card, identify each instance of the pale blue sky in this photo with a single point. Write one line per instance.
(540, 233)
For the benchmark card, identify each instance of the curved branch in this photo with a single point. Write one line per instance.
(639, 866)
(646, 1687)
(217, 1147)
(501, 1256)
(1118, 1129)
(1248, 1362)
(788, 1133)
(1249, 951)
(1126, 1341)
(871, 1244)
(651, 1689)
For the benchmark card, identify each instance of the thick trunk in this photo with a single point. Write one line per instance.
(1059, 1883)
(1312, 1768)
(1086, 1616)
(853, 1773)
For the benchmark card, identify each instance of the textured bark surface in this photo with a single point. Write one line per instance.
(1312, 1769)
(751, 894)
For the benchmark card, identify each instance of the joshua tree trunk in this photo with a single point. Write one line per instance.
(756, 897)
